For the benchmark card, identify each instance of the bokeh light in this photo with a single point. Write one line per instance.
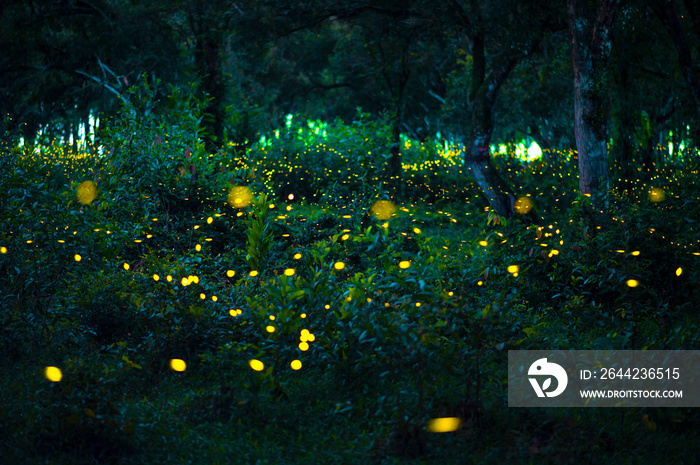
(657, 194)
(444, 425)
(523, 205)
(383, 209)
(240, 197)
(87, 191)
(178, 365)
(257, 365)
(53, 374)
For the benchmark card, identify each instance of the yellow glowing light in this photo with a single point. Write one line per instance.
(479, 283)
(339, 265)
(178, 365)
(657, 194)
(417, 304)
(417, 230)
(194, 279)
(3, 249)
(385, 225)
(632, 283)
(523, 205)
(230, 273)
(345, 237)
(303, 346)
(554, 252)
(77, 257)
(444, 425)
(311, 337)
(233, 312)
(679, 271)
(404, 264)
(169, 278)
(257, 365)
(272, 317)
(210, 220)
(239, 196)
(383, 209)
(290, 196)
(53, 374)
(197, 247)
(126, 266)
(296, 364)
(289, 272)
(270, 329)
(156, 277)
(297, 256)
(303, 315)
(184, 282)
(87, 191)
(483, 243)
(253, 274)
(327, 307)
(635, 253)
(450, 293)
(513, 269)
(202, 296)
(304, 332)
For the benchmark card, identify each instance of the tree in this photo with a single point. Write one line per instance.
(392, 60)
(500, 35)
(538, 97)
(667, 12)
(591, 42)
(62, 61)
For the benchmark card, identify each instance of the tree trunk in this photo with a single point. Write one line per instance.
(477, 156)
(75, 132)
(477, 159)
(29, 131)
(208, 58)
(395, 149)
(591, 42)
(86, 126)
(624, 129)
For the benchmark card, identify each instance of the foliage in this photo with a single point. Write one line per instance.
(360, 325)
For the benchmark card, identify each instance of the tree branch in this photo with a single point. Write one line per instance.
(104, 84)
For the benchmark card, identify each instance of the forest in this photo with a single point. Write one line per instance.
(278, 231)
